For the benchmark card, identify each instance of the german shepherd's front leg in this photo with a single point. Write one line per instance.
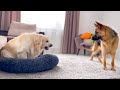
(104, 60)
(103, 53)
(94, 50)
(113, 62)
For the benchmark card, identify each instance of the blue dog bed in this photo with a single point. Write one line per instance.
(39, 64)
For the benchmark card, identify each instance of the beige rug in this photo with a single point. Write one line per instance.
(70, 67)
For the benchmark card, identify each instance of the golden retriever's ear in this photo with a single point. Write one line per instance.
(37, 39)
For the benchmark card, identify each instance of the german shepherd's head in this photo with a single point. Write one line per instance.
(103, 31)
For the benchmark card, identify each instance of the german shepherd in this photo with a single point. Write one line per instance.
(105, 42)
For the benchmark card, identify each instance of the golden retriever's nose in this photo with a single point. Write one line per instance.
(50, 45)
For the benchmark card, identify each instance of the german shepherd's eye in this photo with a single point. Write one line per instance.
(47, 41)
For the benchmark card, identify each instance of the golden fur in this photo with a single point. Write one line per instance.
(26, 45)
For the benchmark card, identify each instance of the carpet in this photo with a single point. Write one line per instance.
(70, 67)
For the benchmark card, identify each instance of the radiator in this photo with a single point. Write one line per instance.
(55, 37)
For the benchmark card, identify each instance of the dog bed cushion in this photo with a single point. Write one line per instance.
(39, 64)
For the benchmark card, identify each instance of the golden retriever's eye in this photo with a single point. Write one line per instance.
(47, 41)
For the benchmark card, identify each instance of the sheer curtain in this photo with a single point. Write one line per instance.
(50, 22)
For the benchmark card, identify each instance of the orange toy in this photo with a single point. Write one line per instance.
(86, 35)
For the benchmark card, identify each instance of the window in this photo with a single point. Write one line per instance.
(50, 22)
(44, 19)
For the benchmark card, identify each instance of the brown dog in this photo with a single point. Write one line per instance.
(108, 44)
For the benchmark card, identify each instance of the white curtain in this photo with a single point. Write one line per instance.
(55, 37)
(50, 22)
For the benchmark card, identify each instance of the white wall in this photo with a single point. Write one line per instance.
(110, 18)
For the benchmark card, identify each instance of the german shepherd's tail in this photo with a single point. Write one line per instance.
(89, 49)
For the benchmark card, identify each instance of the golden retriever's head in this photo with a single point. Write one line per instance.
(45, 42)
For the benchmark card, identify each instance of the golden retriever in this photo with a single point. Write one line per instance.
(26, 45)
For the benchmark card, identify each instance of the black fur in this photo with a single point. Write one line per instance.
(113, 33)
(97, 39)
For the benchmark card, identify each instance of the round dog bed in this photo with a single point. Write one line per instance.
(39, 64)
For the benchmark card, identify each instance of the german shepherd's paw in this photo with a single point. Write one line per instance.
(113, 69)
(91, 59)
(104, 68)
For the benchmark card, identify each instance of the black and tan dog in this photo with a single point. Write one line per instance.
(106, 42)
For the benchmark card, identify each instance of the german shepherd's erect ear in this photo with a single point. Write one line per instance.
(98, 25)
